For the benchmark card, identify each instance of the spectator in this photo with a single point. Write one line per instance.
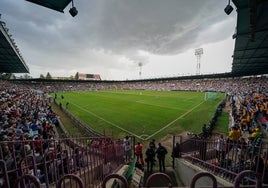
(161, 155)
(235, 134)
(152, 144)
(67, 105)
(176, 151)
(233, 137)
(264, 122)
(127, 149)
(220, 149)
(256, 133)
(138, 153)
(150, 158)
(27, 170)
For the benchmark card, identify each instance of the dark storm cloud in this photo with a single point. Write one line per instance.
(156, 26)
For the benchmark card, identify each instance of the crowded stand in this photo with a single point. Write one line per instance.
(231, 86)
(28, 121)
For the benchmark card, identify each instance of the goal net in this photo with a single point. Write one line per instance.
(210, 95)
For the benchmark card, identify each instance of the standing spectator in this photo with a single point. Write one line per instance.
(161, 155)
(233, 137)
(175, 153)
(138, 153)
(127, 148)
(220, 149)
(38, 143)
(152, 145)
(150, 158)
(67, 105)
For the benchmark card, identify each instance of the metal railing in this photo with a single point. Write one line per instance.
(81, 125)
(92, 162)
(91, 159)
(231, 160)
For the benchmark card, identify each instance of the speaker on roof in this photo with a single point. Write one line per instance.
(73, 11)
(228, 9)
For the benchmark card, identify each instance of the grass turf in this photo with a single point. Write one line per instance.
(144, 114)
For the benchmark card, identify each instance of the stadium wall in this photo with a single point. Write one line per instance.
(185, 171)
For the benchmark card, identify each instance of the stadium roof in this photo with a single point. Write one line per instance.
(10, 59)
(251, 46)
(58, 5)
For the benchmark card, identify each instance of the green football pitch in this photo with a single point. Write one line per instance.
(144, 114)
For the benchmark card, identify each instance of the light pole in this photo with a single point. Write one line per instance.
(198, 53)
(140, 65)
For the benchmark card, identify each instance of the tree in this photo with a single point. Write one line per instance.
(76, 76)
(6, 75)
(25, 76)
(42, 76)
(48, 76)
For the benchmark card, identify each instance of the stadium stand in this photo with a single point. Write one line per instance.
(27, 115)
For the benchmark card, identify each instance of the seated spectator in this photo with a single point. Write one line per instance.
(27, 170)
(256, 133)
(264, 122)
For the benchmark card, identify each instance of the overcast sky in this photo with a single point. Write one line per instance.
(111, 37)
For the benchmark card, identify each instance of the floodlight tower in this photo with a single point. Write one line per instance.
(198, 54)
(140, 65)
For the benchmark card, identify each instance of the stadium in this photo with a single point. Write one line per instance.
(89, 132)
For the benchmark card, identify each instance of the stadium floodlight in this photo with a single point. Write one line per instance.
(73, 11)
(228, 9)
(198, 53)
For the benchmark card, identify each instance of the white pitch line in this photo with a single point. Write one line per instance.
(166, 126)
(108, 121)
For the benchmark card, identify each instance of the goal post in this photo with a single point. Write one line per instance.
(210, 95)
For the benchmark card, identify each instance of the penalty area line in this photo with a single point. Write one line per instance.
(114, 125)
(167, 125)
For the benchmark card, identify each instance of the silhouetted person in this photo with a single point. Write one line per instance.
(150, 155)
(161, 155)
